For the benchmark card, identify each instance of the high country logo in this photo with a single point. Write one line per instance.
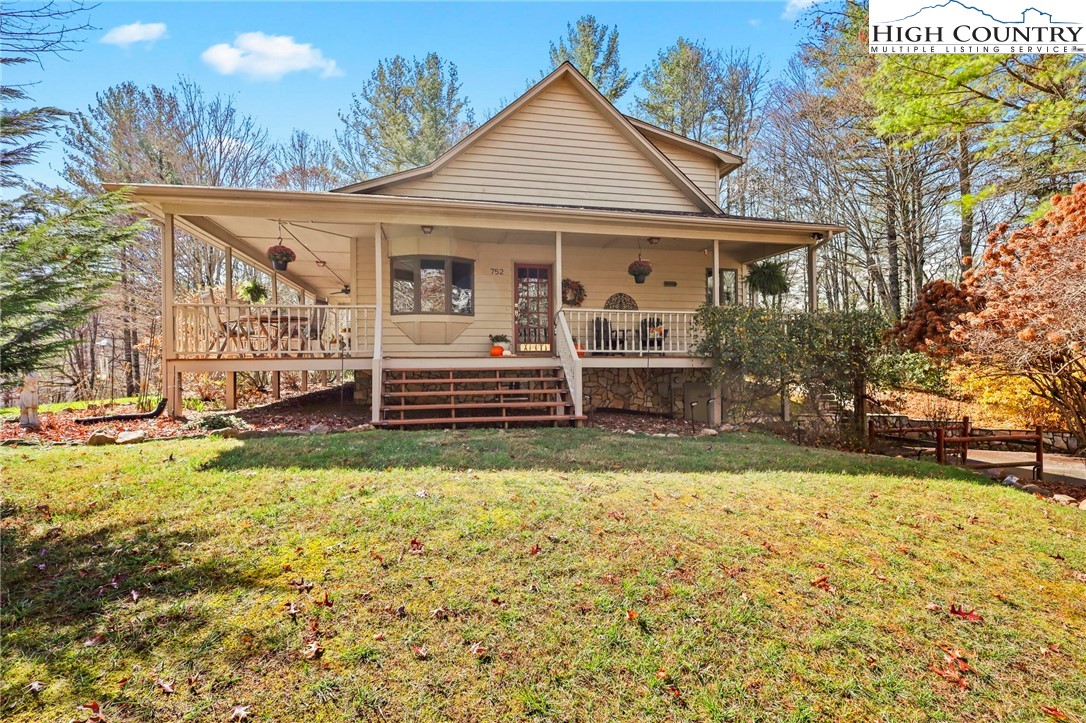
(954, 26)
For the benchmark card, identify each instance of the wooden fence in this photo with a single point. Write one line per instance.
(945, 442)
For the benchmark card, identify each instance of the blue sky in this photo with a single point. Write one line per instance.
(294, 64)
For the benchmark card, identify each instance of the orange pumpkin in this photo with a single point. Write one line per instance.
(496, 350)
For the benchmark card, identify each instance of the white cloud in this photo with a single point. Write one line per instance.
(125, 35)
(268, 57)
(795, 8)
(754, 22)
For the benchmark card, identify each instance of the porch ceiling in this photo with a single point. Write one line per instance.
(312, 241)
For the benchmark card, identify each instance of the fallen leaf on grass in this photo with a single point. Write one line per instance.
(934, 607)
(313, 651)
(96, 712)
(951, 675)
(662, 674)
(96, 640)
(292, 610)
(135, 596)
(632, 615)
(478, 650)
(326, 602)
(420, 652)
(822, 582)
(166, 686)
(300, 585)
(240, 712)
(439, 613)
(416, 547)
(287, 567)
(1053, 712)
(36, 686)
(535, 550)
(379, 636)
(615, 515)
(971, 616)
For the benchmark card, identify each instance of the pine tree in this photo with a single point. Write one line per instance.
(592, 48)
(683, 90)
(408, 113)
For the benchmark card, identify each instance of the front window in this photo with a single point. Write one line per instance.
(729, 286)
(433, 285)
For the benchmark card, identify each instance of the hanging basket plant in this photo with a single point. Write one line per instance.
(280, 256)
(573, 293)
(640, 269)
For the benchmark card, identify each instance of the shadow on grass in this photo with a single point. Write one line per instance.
(563, 450)
(69, 597)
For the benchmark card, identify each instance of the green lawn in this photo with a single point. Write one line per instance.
(553, 574)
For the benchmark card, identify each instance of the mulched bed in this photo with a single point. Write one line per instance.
(643, 423)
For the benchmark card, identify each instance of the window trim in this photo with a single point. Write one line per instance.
(734, 289)
(417, 305)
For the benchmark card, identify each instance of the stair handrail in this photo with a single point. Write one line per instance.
(571, 361)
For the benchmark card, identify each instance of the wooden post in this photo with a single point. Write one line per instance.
(967, 429)
(231, 390)
(276, 376)
(377, 373)
(812, 279)
(228, 275)
(716, 272)
(871, 431)
(786, 402)
(171, 390)
(940, 445)
(1039, 471)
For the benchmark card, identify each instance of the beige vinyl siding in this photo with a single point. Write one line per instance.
(557, 149)
(602, 271)
(699, 168)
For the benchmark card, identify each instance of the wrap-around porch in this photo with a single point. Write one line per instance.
(425, 289)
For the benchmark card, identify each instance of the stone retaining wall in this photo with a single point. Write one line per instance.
(639, 390)
(1062, 442)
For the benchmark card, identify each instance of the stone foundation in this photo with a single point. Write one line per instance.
(363, 389)
(639, 390)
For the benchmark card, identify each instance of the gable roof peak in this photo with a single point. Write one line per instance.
(566, 70)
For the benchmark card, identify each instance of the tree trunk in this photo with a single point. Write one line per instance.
(965, 188)
(892, 245)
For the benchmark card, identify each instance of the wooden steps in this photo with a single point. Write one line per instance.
(453, 397)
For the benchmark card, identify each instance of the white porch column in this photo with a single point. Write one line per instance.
(377, 380)
(812, 279)
(171, 380)
(716, 272)
(228, 275)
(276, 376)
(558, 265)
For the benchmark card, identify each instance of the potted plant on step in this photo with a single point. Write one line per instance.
(640, 269)
(499, 345)
(280, 256)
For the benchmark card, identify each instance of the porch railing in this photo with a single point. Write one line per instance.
(272, 331)
(604, 331)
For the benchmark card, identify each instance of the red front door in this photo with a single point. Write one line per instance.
(533, 326)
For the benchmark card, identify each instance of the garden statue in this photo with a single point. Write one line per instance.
(28, 401)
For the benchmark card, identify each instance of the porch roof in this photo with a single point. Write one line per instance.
(330, 207)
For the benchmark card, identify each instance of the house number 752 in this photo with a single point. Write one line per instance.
(496, 272)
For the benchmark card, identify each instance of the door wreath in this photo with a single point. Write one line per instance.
(573, 293)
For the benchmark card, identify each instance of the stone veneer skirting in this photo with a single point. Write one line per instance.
(639, 390)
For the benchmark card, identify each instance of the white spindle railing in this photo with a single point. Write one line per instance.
(272, 331)
(604, 331)
(571, 361)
